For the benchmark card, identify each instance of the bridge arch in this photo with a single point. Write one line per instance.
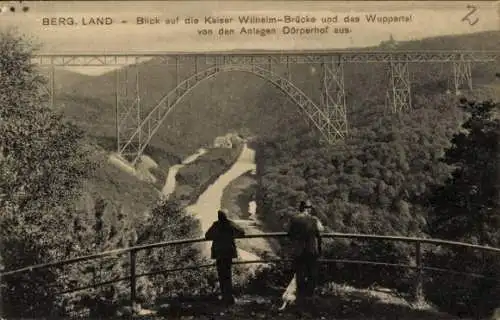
(142, 135)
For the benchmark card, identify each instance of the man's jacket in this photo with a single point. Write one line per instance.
(222, 233)
(304, 231)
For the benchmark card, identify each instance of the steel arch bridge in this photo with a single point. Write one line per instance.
(328, 114)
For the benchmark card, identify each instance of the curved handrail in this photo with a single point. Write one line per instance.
(346, 261)
(101, 255)
(132, 277)
(261, 235)
(411, 239)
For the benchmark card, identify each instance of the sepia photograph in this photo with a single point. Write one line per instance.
(250, 160)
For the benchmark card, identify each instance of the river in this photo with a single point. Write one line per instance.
(170, 182)
(207, 205)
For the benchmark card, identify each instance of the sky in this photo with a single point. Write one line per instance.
(427, 19)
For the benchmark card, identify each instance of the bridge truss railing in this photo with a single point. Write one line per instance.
(418, 267)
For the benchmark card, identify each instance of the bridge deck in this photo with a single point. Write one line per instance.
(257, 57)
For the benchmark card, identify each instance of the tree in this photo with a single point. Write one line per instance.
(169, 222)
(466, 207)
(42, 164)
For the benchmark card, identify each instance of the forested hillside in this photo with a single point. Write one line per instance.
(366, 185)
(379, 180)
(371, 184)
(388, 160)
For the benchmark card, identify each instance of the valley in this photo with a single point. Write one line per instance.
(235, 141)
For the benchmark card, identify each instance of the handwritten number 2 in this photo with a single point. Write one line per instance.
(472, 10)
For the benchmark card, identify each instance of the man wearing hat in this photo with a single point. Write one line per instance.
(304, 231)
(222, 233)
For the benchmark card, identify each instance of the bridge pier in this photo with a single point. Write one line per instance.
(288, 72)
(52, 85)
(49, 87)
(219, 61)
(118, 117)
(399, 94)
(462, 74)
(195, 64)
(128, 114)
(176, 71)
(333, 97)
(138, 104)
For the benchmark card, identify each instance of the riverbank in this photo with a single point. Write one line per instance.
(205, 206)
(194, 178)
(170, 179)
(238, 194)
(239, 198)
(209, 202)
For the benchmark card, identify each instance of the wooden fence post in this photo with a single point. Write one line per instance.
(418, 293)
(132, 279)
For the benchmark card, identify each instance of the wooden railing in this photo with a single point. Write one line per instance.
(132, 251)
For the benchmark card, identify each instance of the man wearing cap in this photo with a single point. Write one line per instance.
(222, 233)
(304, 231)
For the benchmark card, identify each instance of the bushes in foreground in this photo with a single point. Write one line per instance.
(48, 215)
(43, 161)
(466, 208)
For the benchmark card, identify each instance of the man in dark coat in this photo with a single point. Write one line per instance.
(304, 231)
(222, 233)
